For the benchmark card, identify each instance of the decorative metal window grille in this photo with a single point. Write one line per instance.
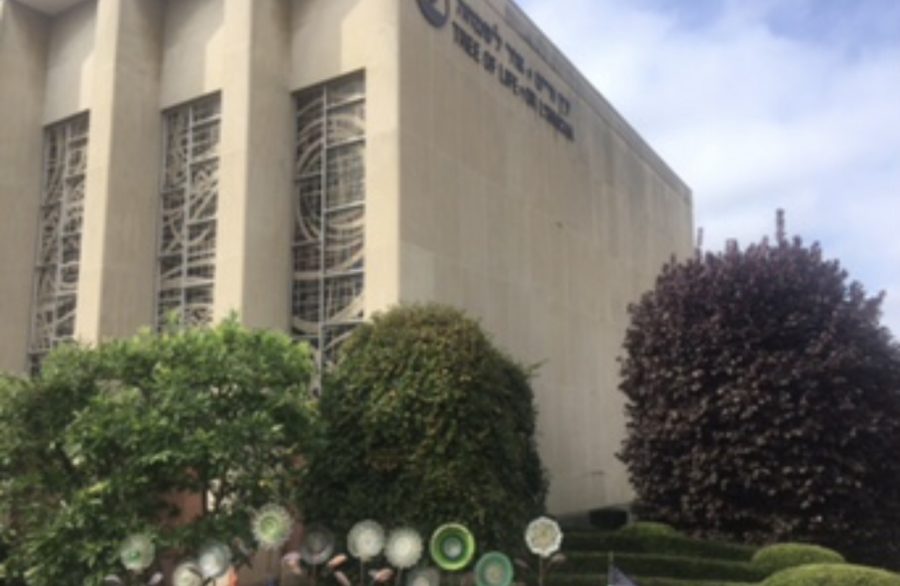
(59, 237)
(190, 188)
(329, 226)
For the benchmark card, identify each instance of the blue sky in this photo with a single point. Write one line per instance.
(761, 104)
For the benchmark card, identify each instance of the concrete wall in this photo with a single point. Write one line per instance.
(546, 240)
(23, 52)
(70, 62)
(472, 198)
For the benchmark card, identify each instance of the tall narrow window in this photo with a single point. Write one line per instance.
(329, 227)
(59, 238)
(187, 242)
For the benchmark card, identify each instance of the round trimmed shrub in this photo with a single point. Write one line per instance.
(788, 555)
(763, 401)
(426, 423)
(648, 528)
(833, 575)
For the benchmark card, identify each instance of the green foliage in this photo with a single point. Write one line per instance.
(427, 422)
(833, 575)
(648, 528)
(677, 544)
(764, 400)
(789, 555)
(103, 441)
(680, 567)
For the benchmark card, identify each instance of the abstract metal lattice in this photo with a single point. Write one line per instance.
(59, 237)
(329, 225)
(187, 242)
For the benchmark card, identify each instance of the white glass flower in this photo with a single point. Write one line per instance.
(543, 536)
(214, 560)
(187, 574)
(404, 548)
(365, 540)
(317, 545)
(424, 577)
(272, 526)
(137, 552)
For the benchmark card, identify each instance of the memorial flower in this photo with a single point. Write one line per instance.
(452, 547)
(137, 552)
(543, 537)
(317, 545)
(365, 540)
(424, 577)
(494, 569)
(214, 560)
(404, 548)
(272, 526)
(187, 574)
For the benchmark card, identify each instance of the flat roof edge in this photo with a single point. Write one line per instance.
(522, 24)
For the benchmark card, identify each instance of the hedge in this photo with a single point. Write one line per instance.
(669, 566)
(833, 575)
(680, 545)
(788, 555)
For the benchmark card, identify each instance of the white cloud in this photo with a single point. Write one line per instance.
(756, 116)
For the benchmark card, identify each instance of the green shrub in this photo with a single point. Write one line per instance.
(648, 528)
(666, 566)
(789, 555)
(427, 422)
(833, 575)
(675, 544)
(90, 448)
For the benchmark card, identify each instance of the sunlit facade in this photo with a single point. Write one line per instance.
(305, 163)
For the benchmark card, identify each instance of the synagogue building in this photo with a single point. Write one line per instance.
(306, 163)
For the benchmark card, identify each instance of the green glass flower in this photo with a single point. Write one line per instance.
(137, 552)
(272, 526)
(214, 560)
(452, 547)
(494, 569)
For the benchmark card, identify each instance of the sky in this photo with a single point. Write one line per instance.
(760, 105)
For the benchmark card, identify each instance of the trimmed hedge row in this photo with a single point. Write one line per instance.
(597, 580)
(648, 529)
(676, 544)
(682, 567)
(789, 555)
(832, 575)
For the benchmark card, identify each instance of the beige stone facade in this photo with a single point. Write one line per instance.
(495, 179)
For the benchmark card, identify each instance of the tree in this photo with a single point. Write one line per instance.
(108, 441)
(427, 422)
(764, 399)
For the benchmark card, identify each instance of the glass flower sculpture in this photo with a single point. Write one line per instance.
(494, 569)
(272, 526)
(137, 552)
(424, 577)
(317, 545)
(187, 574)
(214, 560)
(403, 548)
(365, 540)
(543, 537)
(452, 547)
